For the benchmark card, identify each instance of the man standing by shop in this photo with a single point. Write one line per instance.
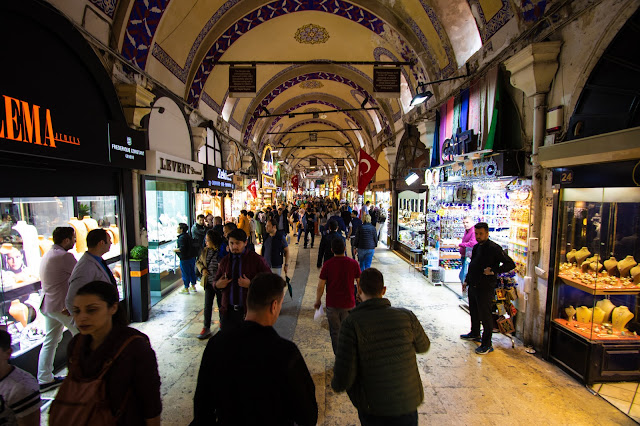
(56, 267)
(91, 266)
(354, 225)
(252, 376)
(198, 231)
(339, 275)
(487, 261)
(235, 273)
(275, 249)
(376, 357)
(186, 251)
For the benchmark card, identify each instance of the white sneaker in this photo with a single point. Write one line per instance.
(193, 289)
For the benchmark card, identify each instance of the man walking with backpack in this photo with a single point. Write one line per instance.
(186, 251)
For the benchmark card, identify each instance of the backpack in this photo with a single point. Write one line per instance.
(84, 402)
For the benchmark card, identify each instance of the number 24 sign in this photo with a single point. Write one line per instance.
(566, 177)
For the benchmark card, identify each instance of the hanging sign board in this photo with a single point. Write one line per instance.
(126, 147)
(166, 165)
(242, 82)
(386, 82)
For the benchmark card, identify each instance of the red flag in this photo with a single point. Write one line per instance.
(295, 182)
(367, 167)
(252, 189)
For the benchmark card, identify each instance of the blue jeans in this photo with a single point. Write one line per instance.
(464, 269)
(188, 269)
(365, 256)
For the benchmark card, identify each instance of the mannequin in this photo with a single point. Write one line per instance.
(44, 244)
(635, 274)
(30, 244)
(19, 311)
(625, 265)
(116, 234)
(81, 234)
(598, 315)
(571, 256)
(611, 266)
(583, 314)
(582, 254)
(607, 307)
(620, 317)
(571, 312)
(90, 223)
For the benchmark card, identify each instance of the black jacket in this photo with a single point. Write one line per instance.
(198, 233)
(185, 244)
(366, 237)
(488, 255)
(252, 376)
(324, 251)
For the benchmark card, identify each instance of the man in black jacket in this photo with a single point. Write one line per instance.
(324, 252)
(487, 260)
(198, 232)
(187, 254)
(251, 376)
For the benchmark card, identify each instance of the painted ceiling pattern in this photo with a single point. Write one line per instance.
(406, 30)
(312, 34)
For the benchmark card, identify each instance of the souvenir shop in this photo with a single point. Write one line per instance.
(67, 155)
(168, 183)
(212, 191)
(592, 329)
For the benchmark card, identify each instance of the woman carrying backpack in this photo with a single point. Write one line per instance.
(113, 372)
(207, 265)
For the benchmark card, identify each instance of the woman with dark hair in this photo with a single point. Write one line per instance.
(111, 355)
(207, 265)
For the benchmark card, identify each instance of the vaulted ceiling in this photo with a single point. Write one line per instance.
(178, 42)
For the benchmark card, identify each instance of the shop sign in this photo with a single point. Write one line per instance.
(217, 178)
(268, 182)
(161, 164)
(470, 170)
(459, 144)
(126, 147)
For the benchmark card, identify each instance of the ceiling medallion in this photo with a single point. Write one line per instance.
(311, 84)
(312, 34)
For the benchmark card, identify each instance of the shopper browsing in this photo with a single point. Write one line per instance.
(207, 265)
(187, 254)
(275, 249)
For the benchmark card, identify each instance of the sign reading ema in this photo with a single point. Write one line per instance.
(22, 122)
(386, 82)
(242, 82)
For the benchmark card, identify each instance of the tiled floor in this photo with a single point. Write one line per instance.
(507, 386)
(623, 395)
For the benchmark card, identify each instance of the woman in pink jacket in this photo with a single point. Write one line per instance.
(466, 246)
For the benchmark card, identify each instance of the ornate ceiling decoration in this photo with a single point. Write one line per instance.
(311, 34)
(311, 84)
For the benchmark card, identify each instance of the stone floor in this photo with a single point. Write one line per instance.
(507, 386)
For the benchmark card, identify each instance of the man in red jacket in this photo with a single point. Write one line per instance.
(234, 276)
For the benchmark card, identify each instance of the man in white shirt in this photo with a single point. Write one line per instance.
(55, 269)
(19, 392)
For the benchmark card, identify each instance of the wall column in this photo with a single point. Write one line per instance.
(532, 71)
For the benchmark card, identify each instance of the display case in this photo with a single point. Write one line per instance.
(594, 313)
(26, 235)
(411, 220)
(167, 205)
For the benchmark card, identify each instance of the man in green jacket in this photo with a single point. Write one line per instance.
(376, 357)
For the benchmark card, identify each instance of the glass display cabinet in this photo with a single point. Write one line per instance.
(26, 235)
(594, 329)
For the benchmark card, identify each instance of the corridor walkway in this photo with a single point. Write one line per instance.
(507, 386)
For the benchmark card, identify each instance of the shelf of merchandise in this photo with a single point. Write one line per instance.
(419, 231)
(600, 291)
(154, 244)
(586, 330)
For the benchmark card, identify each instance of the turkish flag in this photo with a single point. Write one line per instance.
(295, 182)
(367, 167)
(252, 189)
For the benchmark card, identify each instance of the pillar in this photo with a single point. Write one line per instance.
(532, 71)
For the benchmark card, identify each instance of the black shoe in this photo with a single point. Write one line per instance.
(57, 381)
(483, 350)
(470, 336)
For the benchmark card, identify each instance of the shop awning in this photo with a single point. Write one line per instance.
(609, 147)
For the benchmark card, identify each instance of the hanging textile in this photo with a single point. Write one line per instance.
(456, 114)
(474, 107)
(449, 125)
(492, 136)
(435, 151)
(464, 110)
(442, 129)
